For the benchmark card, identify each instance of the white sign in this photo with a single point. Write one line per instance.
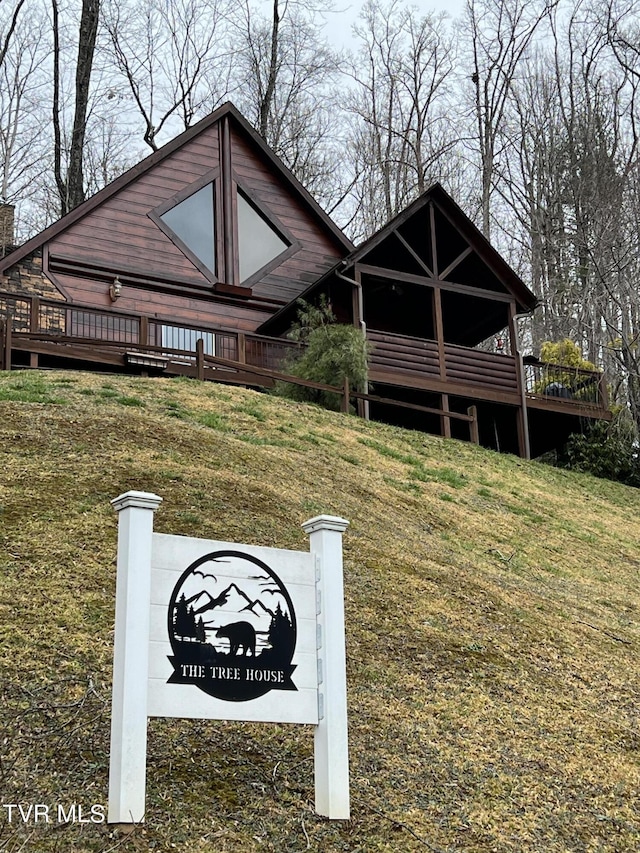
(217, 630)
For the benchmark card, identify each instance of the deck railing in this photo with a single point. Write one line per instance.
(393, 357)
(416, 359)
(37, 316)
(570, 384)
(33, 325)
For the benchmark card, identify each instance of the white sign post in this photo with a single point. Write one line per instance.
(208, 630)
(331, 749)
(128, 755)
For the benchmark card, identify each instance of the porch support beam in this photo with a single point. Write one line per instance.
(524, 447)
(413, 254)
(455, 263)
(434, 247)
(362, 406)
(439, 330)
(410, 278)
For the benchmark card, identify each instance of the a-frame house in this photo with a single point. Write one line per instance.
(211, 238)
(209, 231)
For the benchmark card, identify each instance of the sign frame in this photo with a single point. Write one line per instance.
(148, 564)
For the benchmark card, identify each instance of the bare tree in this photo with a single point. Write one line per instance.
(572, 186)
(23, 84)
(9, 23)
(70, 184)
(500, 32)
(404, 128)
(285, 79)
(168, 54)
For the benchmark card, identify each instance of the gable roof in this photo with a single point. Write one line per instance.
(525, 298)
(128, 177)
(512, 282)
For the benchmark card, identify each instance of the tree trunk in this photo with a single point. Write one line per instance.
(86, 47)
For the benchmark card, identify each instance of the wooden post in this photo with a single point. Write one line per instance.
(143, 334)
(200, 359)
(2, 333)
(331, 743)
(8, 328)
(242, 348)
(34, 315)
(434, 247)
(445, 422)
(358, 308)
(522, 416)
(34, 327)
(603, 392)
(227, 203)
(439, 330)
(128, 753)
(474, 436)
(344, 404)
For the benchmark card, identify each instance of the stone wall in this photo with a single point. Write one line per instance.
(27, 279)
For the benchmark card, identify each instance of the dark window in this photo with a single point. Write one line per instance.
(192, 220)
(259, 242)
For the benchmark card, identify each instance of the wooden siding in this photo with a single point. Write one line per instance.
(118, 237)
(478, 367)
(119, 233)
(318, 250)
(169, 307)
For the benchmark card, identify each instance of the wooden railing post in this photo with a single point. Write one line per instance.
(143, 334)
(474, 436)
(200, 359)
(8, 328)
(34, 327)
(2, 334)
(603, 392)
(34, 315)
(344, 405)
(445, 420)
(242, 347)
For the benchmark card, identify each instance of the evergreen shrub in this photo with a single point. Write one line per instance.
(332, 352)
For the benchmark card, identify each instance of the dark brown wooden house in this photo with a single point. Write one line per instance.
(212, 239)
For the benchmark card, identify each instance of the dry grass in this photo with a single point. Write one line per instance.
(492, 636)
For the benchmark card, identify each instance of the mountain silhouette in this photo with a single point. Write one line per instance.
(211, 602)
(257, 605)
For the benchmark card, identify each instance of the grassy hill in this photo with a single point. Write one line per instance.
(493, 634)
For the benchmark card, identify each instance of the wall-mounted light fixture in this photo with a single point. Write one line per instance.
(115, 289)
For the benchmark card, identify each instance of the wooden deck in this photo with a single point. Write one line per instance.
(47, 331)
(447, 368)
(53, 330)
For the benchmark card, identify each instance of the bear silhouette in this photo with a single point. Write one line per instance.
(239, 634)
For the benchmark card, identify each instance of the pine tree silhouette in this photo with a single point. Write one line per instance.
(201, 635)
(192, 628)
(281, 636)
(181, 622)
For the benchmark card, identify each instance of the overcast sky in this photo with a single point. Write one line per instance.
(339, 23)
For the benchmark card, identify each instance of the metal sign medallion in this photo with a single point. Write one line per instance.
(232, 628)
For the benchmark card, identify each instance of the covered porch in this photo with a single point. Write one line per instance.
(439, 307)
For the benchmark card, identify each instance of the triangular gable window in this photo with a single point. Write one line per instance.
(231, 251)
(258, 242)
(193, 222)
